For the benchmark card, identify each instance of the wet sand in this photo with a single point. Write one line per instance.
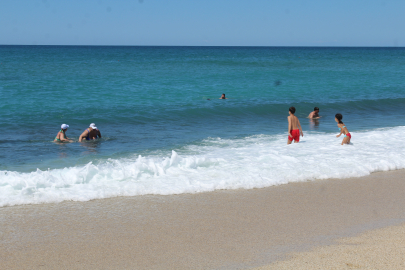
(237, 229)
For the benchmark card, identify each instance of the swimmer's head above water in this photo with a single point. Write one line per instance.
(64, 127)
(292, 110)
(223, 97)
(338, 118)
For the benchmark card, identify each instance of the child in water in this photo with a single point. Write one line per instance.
(343, 129)
(294, 127)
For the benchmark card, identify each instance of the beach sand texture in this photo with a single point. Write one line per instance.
(230, 229)
(376, 249)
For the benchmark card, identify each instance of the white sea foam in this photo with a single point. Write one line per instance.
(252, 162)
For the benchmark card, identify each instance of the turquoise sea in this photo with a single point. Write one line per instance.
(165, 130)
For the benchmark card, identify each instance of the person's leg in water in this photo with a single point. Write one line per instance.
(346, 140)
(295, 136)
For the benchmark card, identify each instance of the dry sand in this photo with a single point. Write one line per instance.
(377, 249)
(238, 229)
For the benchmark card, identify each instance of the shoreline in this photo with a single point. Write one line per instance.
(224, 229)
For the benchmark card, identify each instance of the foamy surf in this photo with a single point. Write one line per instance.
(251, 162)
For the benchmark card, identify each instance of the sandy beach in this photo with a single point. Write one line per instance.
(376, 249)
(230, 229)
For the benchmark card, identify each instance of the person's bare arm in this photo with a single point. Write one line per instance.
(99, 133)
(289, 126)
(84, 135)
(299, 125)
(59, 137)
(315, 116)
(341, 131)
(62, 138)
(67, 140)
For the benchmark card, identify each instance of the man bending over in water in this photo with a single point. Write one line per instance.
(314, 114)
(294, 127)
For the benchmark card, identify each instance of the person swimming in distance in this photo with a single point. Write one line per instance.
(223, 97)
(314, 114)
(61, 136)
(88, 134)
(294, 127)
(343, 129)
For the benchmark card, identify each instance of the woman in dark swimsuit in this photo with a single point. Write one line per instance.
(86, 134)
(91, 133)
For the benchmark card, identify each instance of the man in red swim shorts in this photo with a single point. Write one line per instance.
(294, 127)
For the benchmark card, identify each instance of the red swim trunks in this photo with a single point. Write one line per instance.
(295, 135)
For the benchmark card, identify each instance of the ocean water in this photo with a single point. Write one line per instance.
(165, 131)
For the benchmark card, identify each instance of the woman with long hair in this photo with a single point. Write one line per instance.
(343, 129)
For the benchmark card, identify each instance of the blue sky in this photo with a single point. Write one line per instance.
(203, 22)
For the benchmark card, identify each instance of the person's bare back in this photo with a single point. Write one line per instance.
(294, 122)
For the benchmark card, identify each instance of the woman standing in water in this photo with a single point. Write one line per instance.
(343, 129)
(61, 136)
